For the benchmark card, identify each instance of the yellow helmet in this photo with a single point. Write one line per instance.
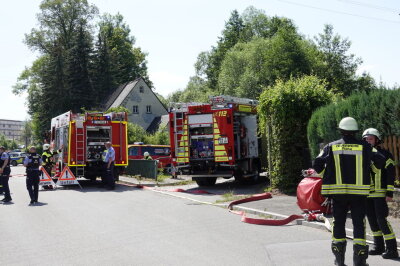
(348, 124)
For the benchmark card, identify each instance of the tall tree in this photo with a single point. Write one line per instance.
(117, 61)
(250, 67)
(339, 66)
(70, 74)
(57, 81)
(210, 62)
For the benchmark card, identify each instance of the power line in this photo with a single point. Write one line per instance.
(339, 12)
(382, 8)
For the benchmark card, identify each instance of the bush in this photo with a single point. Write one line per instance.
(284, 112)
(379, 109)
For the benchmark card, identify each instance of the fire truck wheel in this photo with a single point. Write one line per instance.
(206, 182)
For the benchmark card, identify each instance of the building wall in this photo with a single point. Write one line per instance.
(142, 99)
(12, 129)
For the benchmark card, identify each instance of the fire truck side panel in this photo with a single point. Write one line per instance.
(223, 136)
(120, 142)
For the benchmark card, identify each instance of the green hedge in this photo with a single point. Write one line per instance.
(379, 109)
(284, 112)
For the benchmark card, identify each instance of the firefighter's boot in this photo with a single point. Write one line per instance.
(360, 255)
(391, 250)
(339, 250)
(379, 246)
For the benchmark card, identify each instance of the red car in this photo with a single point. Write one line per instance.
(157, 152)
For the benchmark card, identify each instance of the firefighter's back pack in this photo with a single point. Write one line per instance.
(309, 196)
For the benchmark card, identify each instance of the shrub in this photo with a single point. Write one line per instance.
(284, 112)
(379, 109)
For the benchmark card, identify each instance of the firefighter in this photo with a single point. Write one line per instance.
(47, 155)
(47, 164)
(146, 156)
(32, 163)
(377, 207)
(345, 166)
(109, 166)
(5, 171)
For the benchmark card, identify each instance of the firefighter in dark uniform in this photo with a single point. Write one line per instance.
(5, 171)
(32, 163)
(345, 165)
(377, 207)
(46, 157)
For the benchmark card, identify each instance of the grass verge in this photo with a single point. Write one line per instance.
(230, 196)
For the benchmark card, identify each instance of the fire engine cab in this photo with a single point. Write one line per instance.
(213, 140)
(83, 136)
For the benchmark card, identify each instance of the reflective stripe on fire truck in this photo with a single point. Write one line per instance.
(219, 149)
(183, 145)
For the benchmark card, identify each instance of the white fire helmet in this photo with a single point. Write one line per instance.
(348, 124)
(372, 132)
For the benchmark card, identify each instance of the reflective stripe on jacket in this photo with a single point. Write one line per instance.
(347, 166)
(383, 179)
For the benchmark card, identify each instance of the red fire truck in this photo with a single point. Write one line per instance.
(215, 140)
(83, 136)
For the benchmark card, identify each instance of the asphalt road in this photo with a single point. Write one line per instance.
(130, 226)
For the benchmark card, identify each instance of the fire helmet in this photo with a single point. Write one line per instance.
(348, 124)
(372, 132)
(146, 154)
(46, 147)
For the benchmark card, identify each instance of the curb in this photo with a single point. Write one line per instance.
(151, 185)
(312, 224)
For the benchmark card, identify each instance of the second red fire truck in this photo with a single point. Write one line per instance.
(82, 138)
(213, 140)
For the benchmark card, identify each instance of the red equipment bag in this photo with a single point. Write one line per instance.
(309, 196)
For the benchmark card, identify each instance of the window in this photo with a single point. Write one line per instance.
(135, 109)
(141, 89)
(133, 151)
(148, 109)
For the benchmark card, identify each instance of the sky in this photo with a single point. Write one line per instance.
(174, 32)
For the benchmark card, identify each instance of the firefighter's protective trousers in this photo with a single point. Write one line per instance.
(377, 212)
(341, 205)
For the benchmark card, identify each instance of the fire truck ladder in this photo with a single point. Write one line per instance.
(80, 149)
(178, 130)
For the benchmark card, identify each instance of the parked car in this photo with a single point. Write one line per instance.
(157, 152)
(16, 158)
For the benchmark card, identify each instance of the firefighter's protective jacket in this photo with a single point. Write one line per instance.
(383, 179)
(46, 156)
(346, 166)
